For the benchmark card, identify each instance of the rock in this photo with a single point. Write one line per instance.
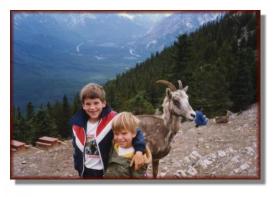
(208, 161)
(250, 151)
(213, 156)
(237, 170)
(195, 155)
(187, 160)
(244, 166)
(162, 174)
(231, 150)
(192, 171)
(207, 146)
(180, 173)
(235, 159)
(203, 164)
(221, 153)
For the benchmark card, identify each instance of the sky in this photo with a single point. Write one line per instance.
(269, 30)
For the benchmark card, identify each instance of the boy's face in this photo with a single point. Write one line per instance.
(93, 107)
(124, 138)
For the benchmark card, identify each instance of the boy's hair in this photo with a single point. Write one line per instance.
(125, 121)
(92, 91)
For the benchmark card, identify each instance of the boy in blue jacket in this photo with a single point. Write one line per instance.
(92, 134)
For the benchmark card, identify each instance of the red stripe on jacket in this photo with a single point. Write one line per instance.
(104, 122)
(80, 133)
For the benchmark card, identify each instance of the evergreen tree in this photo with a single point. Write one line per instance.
(182, 70)
(17, 119)
(29, 110)
(211, 91)
(139, 105)
(41, 125)
(66, 114)
(242, 87)
(58, 116)
(76, 105)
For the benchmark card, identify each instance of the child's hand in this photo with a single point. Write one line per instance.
(137, 160)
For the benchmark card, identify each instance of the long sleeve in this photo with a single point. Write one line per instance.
(139, 141)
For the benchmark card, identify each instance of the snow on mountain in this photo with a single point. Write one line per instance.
(132, 52)
(166, 31)
(180, 23)
(153, 42)
(78, 47)
(99, 57)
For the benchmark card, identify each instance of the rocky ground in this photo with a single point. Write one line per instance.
(228, 150)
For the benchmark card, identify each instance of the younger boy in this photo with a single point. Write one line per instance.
(124, 128)
(92, 134)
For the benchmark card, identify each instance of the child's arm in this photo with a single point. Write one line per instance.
(139, 146)
(139, 141)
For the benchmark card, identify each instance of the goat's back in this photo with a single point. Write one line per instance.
(155, 132)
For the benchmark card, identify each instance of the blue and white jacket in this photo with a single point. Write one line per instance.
(104, 137)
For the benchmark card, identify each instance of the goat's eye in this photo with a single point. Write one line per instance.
(176, 102)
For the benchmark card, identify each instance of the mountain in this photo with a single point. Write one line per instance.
(57, 53)
(165, 32)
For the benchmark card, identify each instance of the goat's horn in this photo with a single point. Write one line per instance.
(168, 84)
(180, 84)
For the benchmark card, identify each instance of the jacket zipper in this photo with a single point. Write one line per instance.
(100, 152)
(83, 169)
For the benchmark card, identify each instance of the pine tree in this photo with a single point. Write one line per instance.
(29, 110)
(76, 104)
(41, 125)
(209, 91)
(18, 134)
(242, 88)
(66, 114)
(182, 55)
(139, 105)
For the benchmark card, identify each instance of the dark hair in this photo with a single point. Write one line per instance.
(92, 91)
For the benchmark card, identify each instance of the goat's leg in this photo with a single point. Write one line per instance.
(155, 164)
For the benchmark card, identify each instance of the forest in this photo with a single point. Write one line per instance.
(219, 62)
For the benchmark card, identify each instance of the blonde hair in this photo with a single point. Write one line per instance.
(92, 91)
(125, 121)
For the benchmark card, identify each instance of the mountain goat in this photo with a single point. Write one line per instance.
(159, 131)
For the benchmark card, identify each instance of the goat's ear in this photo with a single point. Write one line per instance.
(168, 93)
(185, 89)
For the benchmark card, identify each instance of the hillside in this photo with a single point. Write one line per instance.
(216, 150)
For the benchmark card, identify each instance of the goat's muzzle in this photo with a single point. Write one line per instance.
(184, 118)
